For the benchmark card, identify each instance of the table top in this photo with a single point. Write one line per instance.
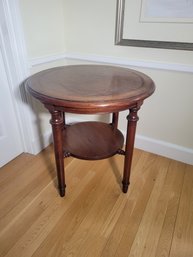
(90, 88)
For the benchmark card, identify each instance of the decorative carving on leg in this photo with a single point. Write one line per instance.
(121, 152)
(67, 154)
(130, 138)
(57, 122)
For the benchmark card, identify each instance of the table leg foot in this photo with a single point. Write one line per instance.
(125, 187)
(62, 192)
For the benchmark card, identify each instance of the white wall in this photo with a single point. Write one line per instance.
(91, 29)
(85, 30)
(43, 24)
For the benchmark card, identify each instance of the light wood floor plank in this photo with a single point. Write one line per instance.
(177, 171)
(69, 224)
(95, 219)
(182, 244)
(123, 233)
(16, 165)
(153, 214)
(54, 208)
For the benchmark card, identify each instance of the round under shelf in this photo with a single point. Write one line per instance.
(92, 140)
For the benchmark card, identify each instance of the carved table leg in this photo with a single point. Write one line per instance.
(130, 138)
(57, 122)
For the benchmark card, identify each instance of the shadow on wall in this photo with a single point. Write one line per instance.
(37, 111)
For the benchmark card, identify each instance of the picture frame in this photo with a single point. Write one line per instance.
(121, 40)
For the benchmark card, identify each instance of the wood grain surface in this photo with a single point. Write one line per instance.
(106, 88)
(95, 219)
(92, 140)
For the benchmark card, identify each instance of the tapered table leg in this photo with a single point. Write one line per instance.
(57, 122)
(130, 138)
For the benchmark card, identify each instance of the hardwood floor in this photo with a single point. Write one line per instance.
(95, 219)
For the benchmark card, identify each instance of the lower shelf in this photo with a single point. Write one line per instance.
(92, 140)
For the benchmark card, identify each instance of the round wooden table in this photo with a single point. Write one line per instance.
(91, 89)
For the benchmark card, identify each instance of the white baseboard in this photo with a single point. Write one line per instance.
(166, 149)
(46, 59)
(155, 146)
(41, 142)
(112, 60)
(130, 63)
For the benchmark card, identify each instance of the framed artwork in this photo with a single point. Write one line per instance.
(155, 23)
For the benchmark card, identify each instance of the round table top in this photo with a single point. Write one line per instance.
(90, 88)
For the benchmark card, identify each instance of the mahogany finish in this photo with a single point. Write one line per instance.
(91, 89)
(97, 140)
